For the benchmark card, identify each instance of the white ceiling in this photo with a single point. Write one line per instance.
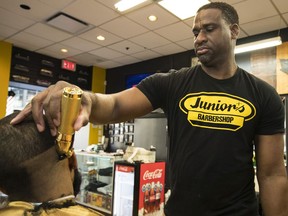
(130, 37)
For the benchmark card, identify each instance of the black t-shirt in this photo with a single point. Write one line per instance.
(211, 124)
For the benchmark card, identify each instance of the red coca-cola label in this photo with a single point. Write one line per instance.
(153, 175)
(123, 168)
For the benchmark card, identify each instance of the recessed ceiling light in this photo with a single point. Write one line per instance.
(64, 50)
(25, 7)
(152, 18)
(100, 37)
(183, 9)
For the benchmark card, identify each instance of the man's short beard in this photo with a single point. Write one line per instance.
(204, 59)
(77, 181)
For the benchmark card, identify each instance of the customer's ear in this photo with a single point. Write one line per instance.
(235, 31)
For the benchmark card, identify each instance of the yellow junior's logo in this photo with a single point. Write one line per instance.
(217, 110)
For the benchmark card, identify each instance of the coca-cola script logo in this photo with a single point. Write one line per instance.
(152, 175)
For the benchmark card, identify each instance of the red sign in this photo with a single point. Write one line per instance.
(68, 65)
(151, 190)
(125, 169)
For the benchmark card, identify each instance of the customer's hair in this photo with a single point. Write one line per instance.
(19, 143)
(228, 12)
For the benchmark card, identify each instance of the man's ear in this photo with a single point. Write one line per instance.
(235, 31)
(73, 162)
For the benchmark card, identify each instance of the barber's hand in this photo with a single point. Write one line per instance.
(49, 101)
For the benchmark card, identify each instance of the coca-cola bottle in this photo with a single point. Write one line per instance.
(157, 196)
(152, 198)
(146, 200)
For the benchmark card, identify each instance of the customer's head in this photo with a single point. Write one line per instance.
(216, 29)
(228, 12)
(30, 169)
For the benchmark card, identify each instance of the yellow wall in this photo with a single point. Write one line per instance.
(282, 68)
(5, 62)
(98, 86)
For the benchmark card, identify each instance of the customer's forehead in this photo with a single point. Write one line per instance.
(207, 16)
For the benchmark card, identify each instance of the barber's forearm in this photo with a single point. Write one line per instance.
(102, 109)
(274, 195)
(118, 107)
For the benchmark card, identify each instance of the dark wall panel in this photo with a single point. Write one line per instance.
(116, 77)
(41, 70)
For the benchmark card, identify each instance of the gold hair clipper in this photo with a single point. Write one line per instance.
(70, 107)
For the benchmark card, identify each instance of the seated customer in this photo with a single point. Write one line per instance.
(33, 177)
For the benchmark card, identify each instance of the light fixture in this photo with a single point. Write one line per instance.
(266, 43)
(152, 18)
(25, 7)
(183, 9)
(100, 37)
(64, 50)
(127, 4)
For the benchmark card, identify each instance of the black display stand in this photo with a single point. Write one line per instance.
(41, 70)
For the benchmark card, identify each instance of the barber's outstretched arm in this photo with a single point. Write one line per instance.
(271, 174)
(95, 108)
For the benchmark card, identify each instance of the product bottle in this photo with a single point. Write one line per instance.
(152, 198)
(157, 196)
(146, 199)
